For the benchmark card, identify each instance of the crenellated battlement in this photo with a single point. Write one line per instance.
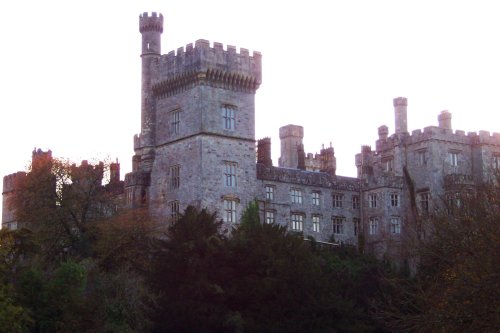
(9, 181)
(153, 22)
(200, 63)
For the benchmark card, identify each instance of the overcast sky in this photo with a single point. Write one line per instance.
(70, 70)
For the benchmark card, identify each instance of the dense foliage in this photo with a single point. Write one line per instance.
(79, 264)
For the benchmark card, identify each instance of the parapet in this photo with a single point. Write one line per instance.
(291, 130)
(151, 23)
(214, 65)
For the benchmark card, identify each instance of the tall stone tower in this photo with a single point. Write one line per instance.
(137, 182)
(151, 28)
(197, 141)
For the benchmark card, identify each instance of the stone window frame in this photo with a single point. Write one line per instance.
(297, 221)
(395, 200)
(338, 223)
(316, 197)
(270, 192)
(424, 199)
(316, 222)
(296, 195)
(373, 225)
(174, 210)
(230, 169)
(229, 210)
(174, 177)
(355, 201)
(229, 117)
(337, 200)
(422, 157)
(270, 216)
(175, 121)
(372, 200)
(395, 225)
(454, 157)
(388, 163)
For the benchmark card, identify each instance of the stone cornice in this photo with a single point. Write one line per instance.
(211, 77)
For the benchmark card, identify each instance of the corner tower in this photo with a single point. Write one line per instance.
(197, 140)
(151, 28)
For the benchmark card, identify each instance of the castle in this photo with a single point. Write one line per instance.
(197, 147)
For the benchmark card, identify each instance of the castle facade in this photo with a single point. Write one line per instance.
(197, 147)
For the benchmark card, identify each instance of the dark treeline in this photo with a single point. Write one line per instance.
(80, 265)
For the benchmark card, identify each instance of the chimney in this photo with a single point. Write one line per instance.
(264, 152)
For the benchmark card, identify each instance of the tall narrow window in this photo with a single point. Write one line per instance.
(270, 192)
(315, 221)
(424, 202)
(297, 221)
(373, 226)
(175, 120)
(296, 195)
(421, 157)
(338, 225)
(395, 200)
(355, 202)
(372, 200)
(174, 211)
(270, 216)
(230, 174)
(496, 162)
(389, 164)
(229, 211)
(337, 200)
(175, 177)
(453, 156)
(395, 225)
(228, 114)
(315, 198)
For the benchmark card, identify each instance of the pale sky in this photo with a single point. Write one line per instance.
(70, 70)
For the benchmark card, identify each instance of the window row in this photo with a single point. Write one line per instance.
(229, 175)
(394, 225)
(394, 200)
(297, 222)
(297, 197)
(228, 121)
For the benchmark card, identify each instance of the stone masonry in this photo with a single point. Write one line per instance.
(197, 147)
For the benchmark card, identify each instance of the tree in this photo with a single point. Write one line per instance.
(456, 288)
(13, 316)
(56, 200)
(188, 274)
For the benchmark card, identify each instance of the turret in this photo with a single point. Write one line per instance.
(444, 119)
(328, 162)
(151, 28)
(400, 105)
(291, 137)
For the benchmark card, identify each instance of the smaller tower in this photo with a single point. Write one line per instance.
(328, 162)
(291, 138)
(444, 119)
(400, 105)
